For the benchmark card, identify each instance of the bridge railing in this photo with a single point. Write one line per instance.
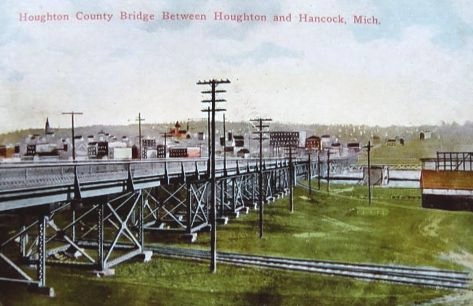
(27, 175)
(42, 175)
(147, 169)
(89, 173)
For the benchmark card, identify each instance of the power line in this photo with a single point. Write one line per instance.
(261, 130)
(213, 210)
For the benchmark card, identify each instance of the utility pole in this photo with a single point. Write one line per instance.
(328, 170)
(139, 119)
(309, 171)
(73, 136)
(368, 147)
(318, 169)
(223, 187)
(249, 142)
(224, 148)
(260, 132)
(291, 178)
(166, 135)
(213, 192)
(209, 132)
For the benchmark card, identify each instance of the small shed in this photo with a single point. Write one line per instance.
(379, 175)
(425, 135)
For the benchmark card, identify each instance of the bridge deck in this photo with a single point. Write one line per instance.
(33, 184)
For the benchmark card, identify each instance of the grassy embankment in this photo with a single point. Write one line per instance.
(408, 154)
(338, 226)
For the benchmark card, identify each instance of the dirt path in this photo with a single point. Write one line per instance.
(462, 298)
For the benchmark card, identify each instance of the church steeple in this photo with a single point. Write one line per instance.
(47, 128)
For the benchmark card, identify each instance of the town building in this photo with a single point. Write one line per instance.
(177, 132)
(353, 147)
(325, 142)
(283, 139)
(97, 149)
(238, 141)
(313, 143)
(424, 135)
(178, 152)
(446, 181)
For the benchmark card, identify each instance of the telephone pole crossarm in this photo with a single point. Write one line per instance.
(216, 100)
(213, 81)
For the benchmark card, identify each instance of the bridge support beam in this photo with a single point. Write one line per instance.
(33, 253)
(100, 237)
(180, 208)
(75, 233)
(40, 286)
(249, 195)
(232, 201)
(104, 224)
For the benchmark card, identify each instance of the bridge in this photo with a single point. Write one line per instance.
(96, 214)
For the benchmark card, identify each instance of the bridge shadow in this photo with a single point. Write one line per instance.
(264, 296)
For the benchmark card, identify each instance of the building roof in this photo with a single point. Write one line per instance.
(457, 180)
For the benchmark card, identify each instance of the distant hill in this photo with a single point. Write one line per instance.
(454, 137)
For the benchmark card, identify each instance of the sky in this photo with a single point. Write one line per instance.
(414, 67)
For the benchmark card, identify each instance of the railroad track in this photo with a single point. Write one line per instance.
(429, 277)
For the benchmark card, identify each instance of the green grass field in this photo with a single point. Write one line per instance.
(341, 226)
(409, 154)
(338, 226)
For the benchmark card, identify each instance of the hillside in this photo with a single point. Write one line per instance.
(446, 137)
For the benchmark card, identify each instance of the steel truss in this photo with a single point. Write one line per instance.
(232, 194)
(28, 246)
(275, 183)
(99, 233)
(281, 181)
(302, 170)
(106, 224)
(103, 231)
(249, 190)
(182, 207)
